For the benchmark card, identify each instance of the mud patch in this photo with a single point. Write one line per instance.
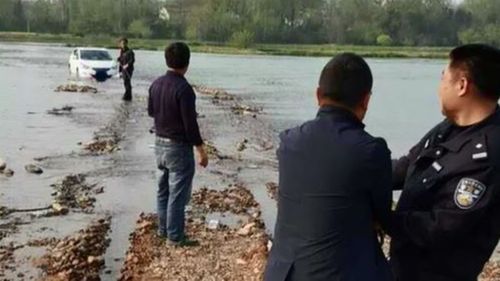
(10, 227)
(217, 95)
(240, 109)
(213, 152)
(237, 200)
(74, 192)
(106, 139)
(74, 88)
(102, 146)
(65, 110)
(78, 257)
(7, 261)
(272, 190)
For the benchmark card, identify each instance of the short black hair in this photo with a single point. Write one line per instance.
(177, 55)
(346, 79)
(481, 63)
(123, 39)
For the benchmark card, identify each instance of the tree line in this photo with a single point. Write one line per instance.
(363, 22)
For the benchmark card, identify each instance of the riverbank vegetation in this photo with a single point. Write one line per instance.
(378, 28)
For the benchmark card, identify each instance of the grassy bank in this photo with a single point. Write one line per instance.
(319, 50)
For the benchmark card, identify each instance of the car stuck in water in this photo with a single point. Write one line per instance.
(93, 63)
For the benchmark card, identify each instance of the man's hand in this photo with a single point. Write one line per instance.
(202, 156)
(380, 233)
(125, 66)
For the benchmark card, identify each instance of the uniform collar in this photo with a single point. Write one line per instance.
(457, 142)
(340, 113)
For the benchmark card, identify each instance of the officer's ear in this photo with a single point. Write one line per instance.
(462, 83)
(463, 86)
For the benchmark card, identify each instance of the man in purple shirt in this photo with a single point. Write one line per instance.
(172, 104)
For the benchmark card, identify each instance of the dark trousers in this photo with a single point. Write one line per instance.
(127, 82)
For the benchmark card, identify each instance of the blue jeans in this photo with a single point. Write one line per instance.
(176, 161)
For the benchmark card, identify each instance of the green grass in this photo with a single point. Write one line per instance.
(319, 50)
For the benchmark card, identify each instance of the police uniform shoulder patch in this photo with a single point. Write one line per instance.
(468, 193)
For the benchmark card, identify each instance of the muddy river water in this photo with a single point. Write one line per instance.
(404, 107)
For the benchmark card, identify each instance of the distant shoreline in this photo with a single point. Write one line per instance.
(313, 50)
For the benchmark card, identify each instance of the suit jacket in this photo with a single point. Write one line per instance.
(335, 183)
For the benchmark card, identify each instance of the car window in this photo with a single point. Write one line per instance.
(95, 55)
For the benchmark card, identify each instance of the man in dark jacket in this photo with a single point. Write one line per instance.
(335, 185)
(172, 104)
(126, 60)
(447, 223)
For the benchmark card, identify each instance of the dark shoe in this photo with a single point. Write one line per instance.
(183, 243)
(161, 236)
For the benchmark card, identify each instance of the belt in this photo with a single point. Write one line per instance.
(162, 140)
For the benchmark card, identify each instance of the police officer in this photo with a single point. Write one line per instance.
(126, 60)
(447, 222)
(335, 183)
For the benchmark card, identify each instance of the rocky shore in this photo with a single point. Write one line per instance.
(231, 213)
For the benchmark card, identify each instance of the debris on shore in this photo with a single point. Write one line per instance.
(237, 200)
(4, 170)
(73, 192)
(45, 242)
(33, 169)
(242, 145)
(4, 211)
(491, 272)
(7, 172)
(3, 164)
(272, 190)
(77, 257)
(240, 109)
(98, 147)
(9, 227)
(65, 110)
(7, 261)
(217, 95)
(74, 88)
(224, 253)
(106, 139)
(213, 152)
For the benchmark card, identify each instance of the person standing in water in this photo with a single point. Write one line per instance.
(126, 60)
(172, 104)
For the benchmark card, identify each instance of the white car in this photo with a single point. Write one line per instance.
(95, 63)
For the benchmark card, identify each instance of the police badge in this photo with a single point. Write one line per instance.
(468, 193)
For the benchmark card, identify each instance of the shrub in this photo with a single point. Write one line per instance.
(384, 40)
(242, 39)
(138, 28)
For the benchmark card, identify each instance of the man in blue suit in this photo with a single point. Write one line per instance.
(335, 186)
